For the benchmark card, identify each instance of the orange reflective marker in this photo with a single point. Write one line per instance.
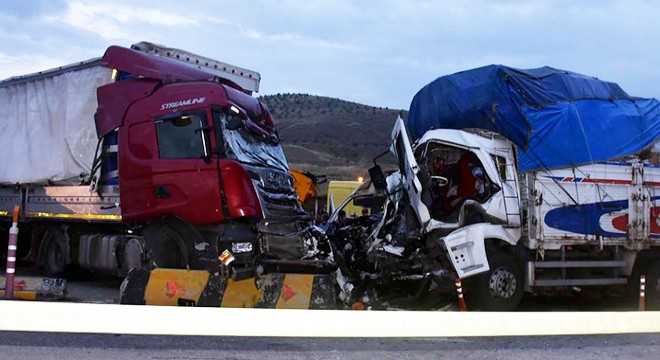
(461, 301)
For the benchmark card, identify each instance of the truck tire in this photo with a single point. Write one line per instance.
(499, 289)
(55, 258)
(167, 247)
(653, 286)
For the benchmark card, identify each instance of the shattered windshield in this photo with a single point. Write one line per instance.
(246, 146)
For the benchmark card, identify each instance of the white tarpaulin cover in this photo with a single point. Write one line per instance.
(47, 126)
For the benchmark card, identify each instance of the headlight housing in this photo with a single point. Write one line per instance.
(241, 247)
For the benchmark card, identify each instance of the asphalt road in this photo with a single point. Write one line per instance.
(17, 346)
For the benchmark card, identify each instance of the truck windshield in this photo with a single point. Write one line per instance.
(245, 146)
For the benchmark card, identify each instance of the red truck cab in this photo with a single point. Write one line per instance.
(201, 171)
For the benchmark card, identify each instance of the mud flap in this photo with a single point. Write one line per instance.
(202, 288)
(36, 288)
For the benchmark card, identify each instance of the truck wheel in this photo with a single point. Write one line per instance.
(167, 247)
(55, 258)
(170, 255)
(499, 289)
(653, 286)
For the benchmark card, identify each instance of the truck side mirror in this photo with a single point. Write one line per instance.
(378, 178)
(181, 121)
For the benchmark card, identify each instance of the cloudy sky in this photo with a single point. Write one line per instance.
(376, 53)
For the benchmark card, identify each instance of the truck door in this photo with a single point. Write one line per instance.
(409, 169)
(178, 178)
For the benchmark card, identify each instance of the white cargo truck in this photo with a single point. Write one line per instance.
(469, 202)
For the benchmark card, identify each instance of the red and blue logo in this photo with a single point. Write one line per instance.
(609, 219)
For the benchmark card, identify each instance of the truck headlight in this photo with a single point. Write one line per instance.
(241, 247)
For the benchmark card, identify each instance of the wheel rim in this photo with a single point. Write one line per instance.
(502, 283)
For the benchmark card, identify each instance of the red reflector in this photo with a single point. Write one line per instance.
(288, 293)
(173, 289)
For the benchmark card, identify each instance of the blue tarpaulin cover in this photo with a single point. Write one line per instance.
(557, 118)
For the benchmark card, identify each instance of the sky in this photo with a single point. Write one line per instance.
(377, 53)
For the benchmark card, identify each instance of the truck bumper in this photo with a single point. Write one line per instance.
(176, 287)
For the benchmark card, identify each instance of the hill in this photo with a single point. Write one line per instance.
(330, 136)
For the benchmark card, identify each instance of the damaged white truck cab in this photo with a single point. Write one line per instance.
(457, 187)
(451, 210)
(463, 189)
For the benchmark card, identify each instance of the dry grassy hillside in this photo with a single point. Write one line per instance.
(330, 136)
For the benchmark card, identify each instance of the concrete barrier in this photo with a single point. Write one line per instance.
(35, 288)
(202, 288)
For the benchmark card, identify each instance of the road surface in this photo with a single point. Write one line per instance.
(18, 346)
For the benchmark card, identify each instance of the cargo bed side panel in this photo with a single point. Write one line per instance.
(587, 205)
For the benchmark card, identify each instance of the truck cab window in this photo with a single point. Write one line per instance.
(244, 144)
(500, 163)
(181, 137)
